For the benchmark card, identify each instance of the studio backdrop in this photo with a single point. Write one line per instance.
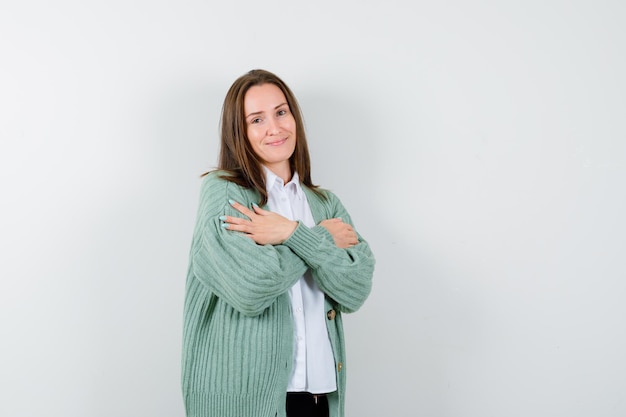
(480, 147)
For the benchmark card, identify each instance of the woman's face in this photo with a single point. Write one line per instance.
(271, 127)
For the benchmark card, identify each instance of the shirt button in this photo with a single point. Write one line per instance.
(299, 309)
(339, 367)
(331, 314)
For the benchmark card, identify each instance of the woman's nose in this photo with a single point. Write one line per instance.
(273, 127)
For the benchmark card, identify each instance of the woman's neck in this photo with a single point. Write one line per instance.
(283, 171)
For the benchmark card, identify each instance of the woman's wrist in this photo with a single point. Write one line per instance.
(293, 225)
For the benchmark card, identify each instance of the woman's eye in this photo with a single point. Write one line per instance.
(257, 120)
(282, 112)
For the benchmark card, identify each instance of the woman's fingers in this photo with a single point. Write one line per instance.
(266, 227)
(343, 234)
(258, 210)
(262, 226)
(238, 224)
(241, 209)
(235, 223)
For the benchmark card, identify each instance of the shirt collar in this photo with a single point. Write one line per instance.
(272, 180)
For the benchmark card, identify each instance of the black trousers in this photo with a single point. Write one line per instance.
(303, 404)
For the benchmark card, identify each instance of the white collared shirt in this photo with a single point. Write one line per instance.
(314, 363)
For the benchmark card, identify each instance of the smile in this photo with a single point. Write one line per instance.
(277, 143)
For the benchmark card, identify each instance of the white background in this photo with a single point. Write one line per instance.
(480, 147)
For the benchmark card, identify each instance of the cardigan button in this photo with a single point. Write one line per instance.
(339, 367)
(331, 314)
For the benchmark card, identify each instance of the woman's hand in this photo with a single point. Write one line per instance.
(343, 234)
(262, 226)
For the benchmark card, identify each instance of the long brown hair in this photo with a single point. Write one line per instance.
(237, 158)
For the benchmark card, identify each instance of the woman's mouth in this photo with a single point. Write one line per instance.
(277, 142)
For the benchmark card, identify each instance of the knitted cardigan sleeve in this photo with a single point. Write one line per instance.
(249, 277)
(344, 275)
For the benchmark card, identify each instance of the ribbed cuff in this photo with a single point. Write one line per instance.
(305, 242)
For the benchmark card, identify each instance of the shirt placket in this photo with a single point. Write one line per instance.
(297, 304)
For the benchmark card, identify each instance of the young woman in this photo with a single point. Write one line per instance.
(274, 262)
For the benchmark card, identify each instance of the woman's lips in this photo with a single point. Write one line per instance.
(277, 142)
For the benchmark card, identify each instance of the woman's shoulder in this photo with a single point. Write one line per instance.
(217, 184)
(214, 180)
(322, 199)
(320, 192)
(215, 176)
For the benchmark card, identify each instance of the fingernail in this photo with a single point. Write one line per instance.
(255, 205)
(222, 218)
(225, 225)
(231, 202)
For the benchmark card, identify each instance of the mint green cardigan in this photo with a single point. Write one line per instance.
(238, 329)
